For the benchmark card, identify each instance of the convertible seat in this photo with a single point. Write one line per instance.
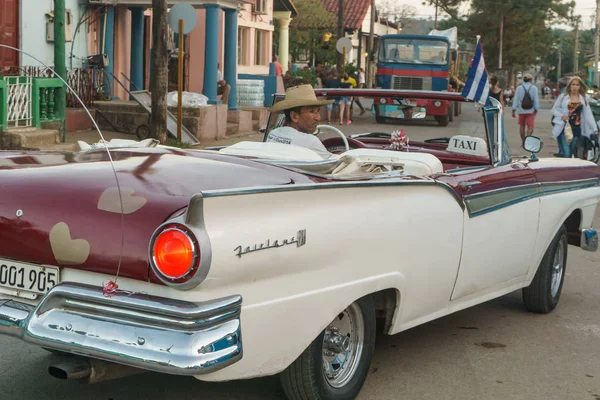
(369, 161)
(272, 151)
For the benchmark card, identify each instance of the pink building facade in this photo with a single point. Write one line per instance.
(252, 47)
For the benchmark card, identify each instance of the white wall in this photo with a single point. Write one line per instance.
(33, 33)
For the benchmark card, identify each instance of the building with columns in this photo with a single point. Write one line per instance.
(283, 12)
(233, 35)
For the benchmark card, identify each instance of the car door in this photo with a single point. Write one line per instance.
(500, 226)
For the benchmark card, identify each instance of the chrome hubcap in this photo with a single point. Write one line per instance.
(558, 267)
(342, 346)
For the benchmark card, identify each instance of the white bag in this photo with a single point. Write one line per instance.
(568, 132)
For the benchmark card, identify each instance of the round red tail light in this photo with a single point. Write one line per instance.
(175, 253)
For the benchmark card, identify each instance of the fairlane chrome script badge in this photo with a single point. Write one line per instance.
(299, 240)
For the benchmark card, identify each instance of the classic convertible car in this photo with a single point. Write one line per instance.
(264, 258)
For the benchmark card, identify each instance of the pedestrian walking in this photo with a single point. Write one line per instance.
(560, 89)
(361, 85)
(346, 101)
(527, 103)
(572, 112)
(495, 90)
(332, 82)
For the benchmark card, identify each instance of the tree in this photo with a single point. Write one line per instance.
(159, 79)
(527, 35)
(313, 25)
(394, 11)
(449, 7)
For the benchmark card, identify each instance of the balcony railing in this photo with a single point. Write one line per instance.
(45, 93)
(30, 102)
(3, 106)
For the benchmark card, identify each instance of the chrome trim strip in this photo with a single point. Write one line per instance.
(589, 239)
(134, 329)
(329, 185)
(492, 200)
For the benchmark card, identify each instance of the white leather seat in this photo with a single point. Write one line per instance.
(272, 151)
(419, 164)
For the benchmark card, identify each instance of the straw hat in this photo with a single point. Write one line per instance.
(528, 77)
(299, 96)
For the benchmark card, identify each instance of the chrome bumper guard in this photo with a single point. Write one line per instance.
(589, 239)
(142, 331)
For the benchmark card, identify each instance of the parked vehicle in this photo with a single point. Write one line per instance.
(418, 62)
(264, 258)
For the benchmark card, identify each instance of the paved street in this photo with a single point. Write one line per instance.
(496, 350)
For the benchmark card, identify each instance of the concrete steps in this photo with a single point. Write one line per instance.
(232, 129)
(29, 138)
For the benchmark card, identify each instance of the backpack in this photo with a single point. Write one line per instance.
(527, 102)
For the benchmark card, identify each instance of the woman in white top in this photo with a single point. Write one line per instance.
(573, 108)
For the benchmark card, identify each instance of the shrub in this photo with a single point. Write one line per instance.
(300, 77)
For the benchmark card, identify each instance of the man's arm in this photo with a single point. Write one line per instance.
(536, 99)
(516, 98)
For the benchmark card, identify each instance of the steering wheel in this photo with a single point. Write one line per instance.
(336, 130)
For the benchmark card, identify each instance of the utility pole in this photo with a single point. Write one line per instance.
(340, 34)
(576, 50)
(501, 39)
(436, 15)
(159, 68)
(596, 77)
(59, 60)
(558, 68)
(370, 46)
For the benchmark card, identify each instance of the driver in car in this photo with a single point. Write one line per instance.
(302, 113)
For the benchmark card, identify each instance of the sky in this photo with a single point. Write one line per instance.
(585, 8)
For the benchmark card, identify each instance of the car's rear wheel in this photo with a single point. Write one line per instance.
(542, 295)
(442, 120)
(335, 365)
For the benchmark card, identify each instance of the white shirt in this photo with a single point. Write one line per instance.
(289, 135)
(361, 77)
(219, 76)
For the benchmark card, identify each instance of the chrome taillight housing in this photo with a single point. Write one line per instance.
(175, 254)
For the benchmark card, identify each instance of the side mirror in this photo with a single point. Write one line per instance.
(533, 144)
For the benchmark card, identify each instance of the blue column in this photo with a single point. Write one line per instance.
(109, 46)
(136, 70)
(211, 53)
(230, 63)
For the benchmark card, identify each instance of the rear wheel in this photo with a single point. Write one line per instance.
(335, 365)
(451, 112)
(442, 120)
(542, 295)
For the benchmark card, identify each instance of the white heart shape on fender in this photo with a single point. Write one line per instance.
(110, 201)
(68, 251)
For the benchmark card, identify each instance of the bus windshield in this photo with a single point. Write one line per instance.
(413, 51)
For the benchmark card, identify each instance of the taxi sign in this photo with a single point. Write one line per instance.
(467, 145)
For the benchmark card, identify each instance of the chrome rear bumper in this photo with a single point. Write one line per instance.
(142, 331)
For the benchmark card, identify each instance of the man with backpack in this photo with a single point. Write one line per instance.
(527, 103)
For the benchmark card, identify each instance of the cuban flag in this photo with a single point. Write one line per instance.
(477, 87)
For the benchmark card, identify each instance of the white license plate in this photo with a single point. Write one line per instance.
(27, 277)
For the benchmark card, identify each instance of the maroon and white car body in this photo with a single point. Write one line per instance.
(280, 246)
